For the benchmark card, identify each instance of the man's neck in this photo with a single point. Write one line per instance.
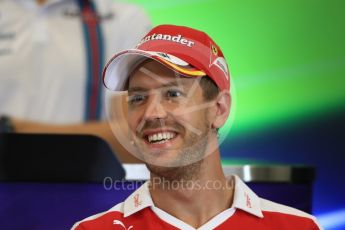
(196, 201)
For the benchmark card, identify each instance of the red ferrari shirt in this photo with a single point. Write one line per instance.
(248, 211)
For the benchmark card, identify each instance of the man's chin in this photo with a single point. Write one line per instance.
(162, 159)
(184, 172)
(171, 158)
(159, 156)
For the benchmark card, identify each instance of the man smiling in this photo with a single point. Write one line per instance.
(158, 99)
(178, 98)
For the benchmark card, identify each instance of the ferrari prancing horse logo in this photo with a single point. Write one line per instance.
(214, 50)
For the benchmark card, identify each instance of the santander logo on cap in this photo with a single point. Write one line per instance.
(167, 37)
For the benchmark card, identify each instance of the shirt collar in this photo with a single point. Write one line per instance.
(244, 199)
(138, 200)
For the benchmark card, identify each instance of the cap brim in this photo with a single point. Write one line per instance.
(118, 69)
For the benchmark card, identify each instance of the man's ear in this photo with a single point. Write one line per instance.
(223, 104)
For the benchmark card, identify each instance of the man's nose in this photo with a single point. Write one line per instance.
(155, 109)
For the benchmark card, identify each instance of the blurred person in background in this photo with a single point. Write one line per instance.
(51, 57)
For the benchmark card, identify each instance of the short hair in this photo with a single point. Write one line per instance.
(209, 90)
(209, 87)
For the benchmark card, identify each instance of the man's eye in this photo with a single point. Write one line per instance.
(173, 93)
(136, 99)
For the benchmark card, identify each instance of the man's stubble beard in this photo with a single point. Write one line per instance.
(190, 159)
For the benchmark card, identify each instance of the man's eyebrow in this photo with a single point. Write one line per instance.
(137, 88)
(165, 85)
(172, 83)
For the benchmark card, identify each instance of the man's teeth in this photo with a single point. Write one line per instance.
(160, 136)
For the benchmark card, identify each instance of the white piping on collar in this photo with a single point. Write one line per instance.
(211, 224)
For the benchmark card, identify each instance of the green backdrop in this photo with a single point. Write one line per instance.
(287, 58)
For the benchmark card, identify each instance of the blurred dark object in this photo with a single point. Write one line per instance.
(57, 158)
(6, 125)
